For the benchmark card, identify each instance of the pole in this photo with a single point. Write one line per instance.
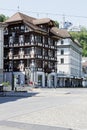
(12, 69)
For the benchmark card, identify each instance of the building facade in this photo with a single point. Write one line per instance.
(1, 51)
(69, 67)
(84, 71)
(30, 51)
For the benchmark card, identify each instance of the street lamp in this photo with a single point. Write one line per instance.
(12, 43)
(12, 70)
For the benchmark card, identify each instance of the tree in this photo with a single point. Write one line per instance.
(57, 24)
(3, 17)
(82, 38)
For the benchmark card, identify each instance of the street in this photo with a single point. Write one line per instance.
(45, 109)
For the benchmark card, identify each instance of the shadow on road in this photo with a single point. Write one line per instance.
(13, 96)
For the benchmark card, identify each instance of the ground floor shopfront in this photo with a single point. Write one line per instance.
(37, 79)
(68, 81)
(41, 79)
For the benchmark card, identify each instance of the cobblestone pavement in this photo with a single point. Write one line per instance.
(45, 109)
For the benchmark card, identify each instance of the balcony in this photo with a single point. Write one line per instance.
(26, 44)
(11, 45)
(52, 47)
(21, 44)
(46, 45)
(52, 58)
(40, 69)
(6, 57)
(46, 57)
(39, 44)
(16, 45)
(6, 45)
(27, 56)
(16, 57)
(39, 56)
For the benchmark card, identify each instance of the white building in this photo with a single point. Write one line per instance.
(69, 67)
(1, 52)
(84, 71)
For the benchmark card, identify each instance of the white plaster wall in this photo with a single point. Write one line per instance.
(71, 56)
(1, 53)
(1, 48)
(64, 69)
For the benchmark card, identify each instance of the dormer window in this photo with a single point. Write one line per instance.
(22, 28)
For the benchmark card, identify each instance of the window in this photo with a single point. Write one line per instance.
(39, 64)
(39, 39)
(22, 27)
(46, 41)
(10, 40)
(62, 52)
(62, 61)
(21, 39)
(62, 42)
(39, 51)
(45, 52)
(51, 53)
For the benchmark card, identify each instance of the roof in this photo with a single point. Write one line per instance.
(77, 42)
(43, 21)
(34, 27)
(63, 33)
(33, 23)
(19, 17)
(26, 19)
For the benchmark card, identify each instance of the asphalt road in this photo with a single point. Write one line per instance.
(44, 109)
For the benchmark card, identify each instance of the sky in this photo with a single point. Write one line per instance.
(74, 11)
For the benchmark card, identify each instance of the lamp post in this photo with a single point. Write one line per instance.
(12, 70)
(12, 43)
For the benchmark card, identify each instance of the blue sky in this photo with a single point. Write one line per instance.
(54, 9)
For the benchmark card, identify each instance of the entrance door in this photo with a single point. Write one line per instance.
(40, 80)
(52, 81)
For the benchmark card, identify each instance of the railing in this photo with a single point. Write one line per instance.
(39, 44)
(27, 56)
(46, 57)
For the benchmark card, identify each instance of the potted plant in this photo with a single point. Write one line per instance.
(6, 86)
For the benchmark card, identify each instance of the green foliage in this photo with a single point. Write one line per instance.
(3, 17)
(57, 24)
(82, 38)
(6, 84)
